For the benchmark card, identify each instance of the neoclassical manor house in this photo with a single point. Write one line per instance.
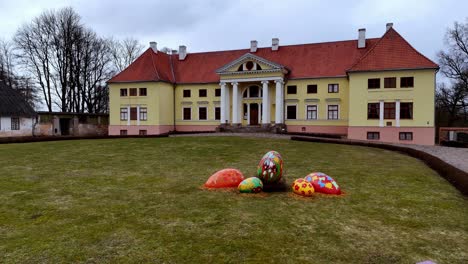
(379, 89)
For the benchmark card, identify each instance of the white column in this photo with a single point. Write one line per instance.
(235, 103)
(259, 113)
(397, 113)
(248, 113)
(223, 102)
(138, 115)
(381, 114)
(128, 115)
(228, 106)
(279, 115)
(265, 102)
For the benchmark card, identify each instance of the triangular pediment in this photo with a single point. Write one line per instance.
(249, 63)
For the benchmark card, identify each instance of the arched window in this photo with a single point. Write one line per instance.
(253, 91)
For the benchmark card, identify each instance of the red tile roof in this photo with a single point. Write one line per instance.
(392, 52)
(303, 61)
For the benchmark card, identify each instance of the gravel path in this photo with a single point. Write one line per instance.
(457, 157)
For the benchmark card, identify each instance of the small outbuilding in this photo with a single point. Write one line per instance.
(17, 116)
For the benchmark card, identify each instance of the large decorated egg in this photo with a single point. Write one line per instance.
(226, 178)
(302, 187)
(270, 167)
(323, 183)
(251, 185)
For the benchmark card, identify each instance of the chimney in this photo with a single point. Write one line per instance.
(389, 26)
(154, 46)
(275, 44)
(253, 45)
(182, 52)
(362, 38)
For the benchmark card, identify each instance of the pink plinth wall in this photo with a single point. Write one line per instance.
(135, 130)
(190, 128)
(341, 130)
(421, 135)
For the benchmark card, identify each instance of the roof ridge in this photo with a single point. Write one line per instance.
(172, 68)
(268, 47)
(154, 66)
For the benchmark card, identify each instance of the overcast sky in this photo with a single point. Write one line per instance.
(218, 25)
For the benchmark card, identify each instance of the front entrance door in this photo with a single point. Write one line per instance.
(253, 114)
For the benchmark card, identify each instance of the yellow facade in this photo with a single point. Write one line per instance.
(194, 102)
(163, 99)
(321, 99)
(158, 101)
(422, 95)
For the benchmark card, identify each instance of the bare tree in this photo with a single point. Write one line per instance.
(451, 100)
(124, 52)
(454, 61)
(33, 42)
(69, 60)
(6, 62)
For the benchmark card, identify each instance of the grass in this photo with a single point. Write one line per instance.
(139, 200)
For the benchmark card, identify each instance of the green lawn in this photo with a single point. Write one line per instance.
(140, 200)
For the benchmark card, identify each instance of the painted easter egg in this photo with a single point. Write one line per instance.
(251, 185)
(270, 167)
(323, 183)
(302, 187)
(225, 178)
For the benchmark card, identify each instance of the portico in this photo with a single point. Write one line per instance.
(235, 93)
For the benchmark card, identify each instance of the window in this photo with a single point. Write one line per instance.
(123, 132)
(292, 89)
(311, 112)
(406, 135)
(202, 113)
(406, 110)
(187, 93)
(187, 115)
(123, 92)
(123, 114)
(143, 133)
(142, 91)
(15, 123)
(202, 93)
(217, 113)
(143, 113)
(254, 91)
(406, 82)
(218, 92)
(291, 111)
(312, 89)
(373, 83)
(373, 111)
(133, 113)
(333, 88)
(333, 112)
(373, 135)
(133, 92)
(389, 110)
(390, 82)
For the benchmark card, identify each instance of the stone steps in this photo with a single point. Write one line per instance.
(249, 129)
